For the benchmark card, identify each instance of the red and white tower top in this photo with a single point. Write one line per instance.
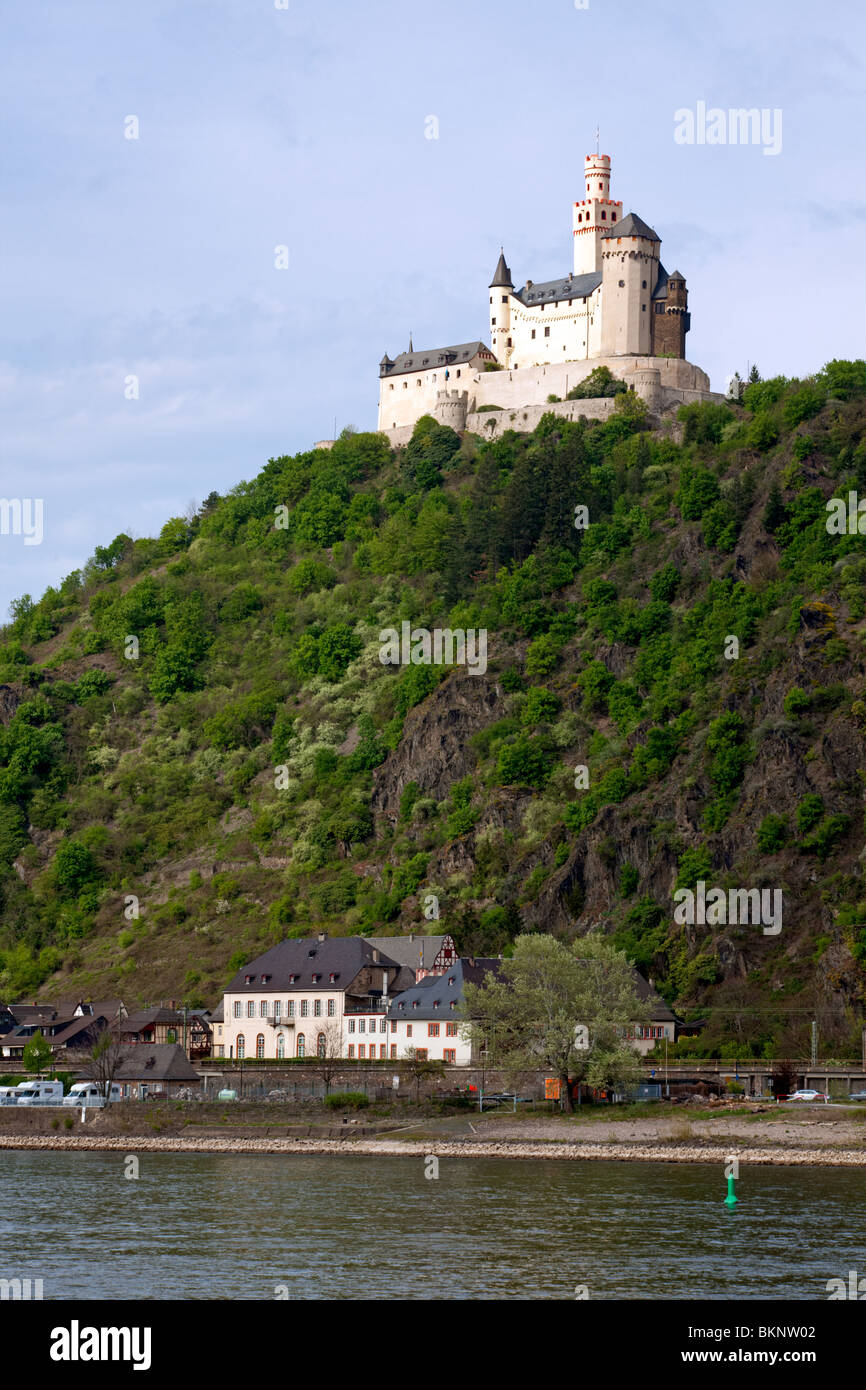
(593, 214)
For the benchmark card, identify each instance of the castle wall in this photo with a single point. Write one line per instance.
(664, 382)
(405, 398)
(567, 331)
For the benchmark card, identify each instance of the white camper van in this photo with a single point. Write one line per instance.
(39, 1093)
(8, 1095)
(89, 1093)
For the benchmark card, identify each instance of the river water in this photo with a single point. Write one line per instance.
(229, 1226)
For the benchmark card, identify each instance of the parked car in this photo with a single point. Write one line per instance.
(857, 1095)
(808, 1095)
(39, 1093)
(89, 1093)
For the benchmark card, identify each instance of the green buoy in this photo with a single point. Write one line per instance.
(731, 1199)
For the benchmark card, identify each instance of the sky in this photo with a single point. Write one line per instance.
(154, 343)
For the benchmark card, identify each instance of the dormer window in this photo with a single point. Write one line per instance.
(248, 979)
(332, 977)
(292, 979)
(414, 1003)
(316, 979)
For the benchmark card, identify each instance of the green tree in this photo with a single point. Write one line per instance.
(561, 1006)
(37, 1052)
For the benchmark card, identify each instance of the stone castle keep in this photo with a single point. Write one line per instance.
(618, 307)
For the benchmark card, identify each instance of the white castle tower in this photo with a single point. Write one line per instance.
(594, 214)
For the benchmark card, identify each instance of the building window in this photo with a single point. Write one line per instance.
(320, 1045)
(451, 1030)
(391, 386)
(509, 344)
(613, 217)
(643, 284)
(394, 1026)
(449, 1054)
(458, 372)
(263, 1008)
(305, 1008)
(351, 1049)
(382, 1052)
(290, 1008)
(251, 1008)
(332, 1007)
(362, 1025)
(278, 1008)
(362, 1051)
(643, 307)
(405, 385)
(493, 321)
(418, 382)
(241, 1045)
(317, 1008)
(421, 1054)
(408, 1030)
(394, 1051)
(220, 1051)
(432, 1030)
(238, 1009)
(383, 1025)
(547, 332)
(351, 1025)
(604, 217)
(260, 1045)
(533, 332)
(302, 1045)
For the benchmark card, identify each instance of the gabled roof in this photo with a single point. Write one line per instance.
(433, 996)
(426, 358)
(567, 287)
(416, 950)
(154, 1062)
(661, 286)
(632, 226)
(342, 956)
(501, 275)
(660, 1013)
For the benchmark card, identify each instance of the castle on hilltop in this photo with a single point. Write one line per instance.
(618, 307)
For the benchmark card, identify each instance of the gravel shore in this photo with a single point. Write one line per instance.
(641, 1153)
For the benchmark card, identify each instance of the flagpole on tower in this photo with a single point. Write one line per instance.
(597, 139)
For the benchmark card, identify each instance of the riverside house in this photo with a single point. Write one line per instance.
(309, 998)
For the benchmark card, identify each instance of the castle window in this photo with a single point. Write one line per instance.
(643, 283)
(533, 332)
(547, 332)
(418, 383)
(604, 216)
(580, 217)
(458, 372)
(505, 299)
(391, 386)
(643, 306)
(613, 217)
(510, 344)
(493, 320)
(405, 385)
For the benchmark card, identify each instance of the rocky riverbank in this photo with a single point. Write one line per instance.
(464, 1148)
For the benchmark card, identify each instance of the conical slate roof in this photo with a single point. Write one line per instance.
(633, 226)
(502, 275)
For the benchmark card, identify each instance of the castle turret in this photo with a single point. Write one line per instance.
(500, 310)
(671, 319)
(593, 214)
(630, 270)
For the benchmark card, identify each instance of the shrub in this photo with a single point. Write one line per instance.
(347, 1100)
(809, 812)
(772, 834)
